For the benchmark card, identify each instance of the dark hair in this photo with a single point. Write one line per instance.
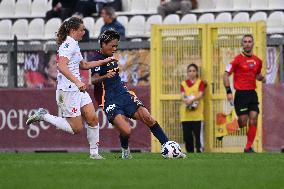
(247, 35)
(66, 26)
(109, 11)
(193, 65)
(108, 35)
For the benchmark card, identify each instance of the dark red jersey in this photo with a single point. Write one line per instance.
(245, 69)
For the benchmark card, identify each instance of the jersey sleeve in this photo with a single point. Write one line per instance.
(66, 49)
(230, 68)
(202, 86)
(96, 70)
(182, 89)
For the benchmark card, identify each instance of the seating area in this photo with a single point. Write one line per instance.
(25, 18)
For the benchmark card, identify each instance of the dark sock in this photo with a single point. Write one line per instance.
(159, 133)
(123, 141)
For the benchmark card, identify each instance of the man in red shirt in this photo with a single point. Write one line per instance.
(247, 69)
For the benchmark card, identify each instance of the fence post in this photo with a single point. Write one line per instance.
(12, 66)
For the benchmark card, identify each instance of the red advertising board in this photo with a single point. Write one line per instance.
(17, 104)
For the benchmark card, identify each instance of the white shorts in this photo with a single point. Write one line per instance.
(71, 102)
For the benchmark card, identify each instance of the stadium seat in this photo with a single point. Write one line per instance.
(23, 8)
(49, 5)
(123, 20)
(98, 25)
(275, 4)
(20, 29)
(134, 31)
(224, 5)
(188, 19)
(275, 22)
(7, 8)
(39, 8)
(138, 6)
(171, 19)
(241, 5)
(89, 23)
(126, 5)
(51, 28)
(5, 29)
(256, 5)
(154, 19)
(152, 6)
(36, 29)
(241, 17)
(206, 18)
(223, 17)
(258, 16)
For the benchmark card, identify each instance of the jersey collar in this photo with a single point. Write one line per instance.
(71, 39)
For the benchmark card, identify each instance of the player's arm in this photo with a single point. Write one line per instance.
(85, 65)
(62, 67)
(229, 70)
(228, 89)
(259, 76)
(96, 78)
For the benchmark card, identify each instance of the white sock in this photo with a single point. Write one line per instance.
(59, 122)
(93, 136)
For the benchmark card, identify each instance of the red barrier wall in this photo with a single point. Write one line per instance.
(17, 104)
(273, 119)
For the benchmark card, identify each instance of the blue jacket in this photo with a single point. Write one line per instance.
(117, 26)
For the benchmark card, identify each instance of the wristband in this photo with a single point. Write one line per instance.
(228, 90)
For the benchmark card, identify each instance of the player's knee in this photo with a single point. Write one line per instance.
(126, 132)
(242, 122)
(77, 130)
(253, 121)
(93, 121)
(149, 120)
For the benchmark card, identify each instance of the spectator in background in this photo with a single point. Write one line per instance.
(109, 17)
(191, 110)
(86, 7)
(51, 70)
(61, 9)
(170, 7)
(116, 4)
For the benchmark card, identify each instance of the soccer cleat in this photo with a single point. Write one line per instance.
(38, 116)
(182, 156)
(125, 153)
(96, 156)
(250, 150)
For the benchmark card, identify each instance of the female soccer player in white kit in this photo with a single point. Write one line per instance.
(76, 105)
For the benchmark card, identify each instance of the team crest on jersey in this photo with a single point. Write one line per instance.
(252, 65)
(110, 108)
(66, 45)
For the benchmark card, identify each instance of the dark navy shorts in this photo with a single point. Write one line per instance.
(125, 104)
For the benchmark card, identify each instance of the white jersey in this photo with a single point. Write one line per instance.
(71, 50)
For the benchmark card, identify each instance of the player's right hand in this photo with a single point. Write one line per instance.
(111, 74)
(110, 59)
(230, 98)
(81, 86)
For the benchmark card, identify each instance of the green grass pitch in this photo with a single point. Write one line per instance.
(145, 170)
